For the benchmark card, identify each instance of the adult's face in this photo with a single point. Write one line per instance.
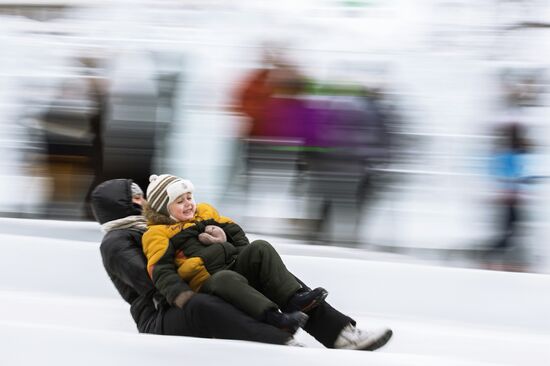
(138, 200)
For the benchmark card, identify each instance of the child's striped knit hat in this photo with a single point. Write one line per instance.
(164, 189)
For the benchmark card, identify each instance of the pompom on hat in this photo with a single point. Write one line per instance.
(164, 189)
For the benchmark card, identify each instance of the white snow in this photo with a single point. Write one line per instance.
(58, 306)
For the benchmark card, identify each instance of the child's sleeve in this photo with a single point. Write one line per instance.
(235, 234)
(161, 265)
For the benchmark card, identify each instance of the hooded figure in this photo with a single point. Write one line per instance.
(121, 252)
(117, 207)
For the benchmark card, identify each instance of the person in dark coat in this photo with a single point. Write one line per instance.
(117, 207)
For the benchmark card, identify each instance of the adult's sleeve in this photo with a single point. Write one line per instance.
(123, 259)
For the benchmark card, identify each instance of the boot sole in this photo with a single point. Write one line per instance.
(315, 302)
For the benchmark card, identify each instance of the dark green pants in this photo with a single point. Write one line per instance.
(257, 281)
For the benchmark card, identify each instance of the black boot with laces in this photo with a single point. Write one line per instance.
(289, 322)
(304, 300)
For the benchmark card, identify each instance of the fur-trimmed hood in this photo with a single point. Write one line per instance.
(156, 218)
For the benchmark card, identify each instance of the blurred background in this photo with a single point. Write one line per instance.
(411, 127)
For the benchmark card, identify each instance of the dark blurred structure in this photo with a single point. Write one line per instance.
(98, 128)
(522, 87)
(130, 136)
(141, 111)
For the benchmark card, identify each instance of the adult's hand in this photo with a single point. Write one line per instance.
(182, 298)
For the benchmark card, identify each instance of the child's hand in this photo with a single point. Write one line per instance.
(212, 234)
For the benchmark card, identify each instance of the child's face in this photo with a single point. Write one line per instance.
(183, 208)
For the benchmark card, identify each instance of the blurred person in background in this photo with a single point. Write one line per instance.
(348, 139)
(269, 99)
(252, 96)
(72, 131)
(99, 96)
(250, 101)
(251, 276)
(508, 167)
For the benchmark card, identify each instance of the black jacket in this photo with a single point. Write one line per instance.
(123, 256)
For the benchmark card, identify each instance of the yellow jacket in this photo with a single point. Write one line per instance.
(162, 253)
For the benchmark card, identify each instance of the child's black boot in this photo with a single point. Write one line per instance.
(289, 322)
(304, 300)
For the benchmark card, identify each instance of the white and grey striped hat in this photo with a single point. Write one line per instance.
(164, 189)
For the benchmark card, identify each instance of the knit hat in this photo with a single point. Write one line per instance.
(164, 189)
(136, 191)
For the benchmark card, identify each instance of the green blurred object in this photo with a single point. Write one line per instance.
(334, 89)
(358, 3)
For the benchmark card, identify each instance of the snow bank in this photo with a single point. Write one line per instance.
(57, 305)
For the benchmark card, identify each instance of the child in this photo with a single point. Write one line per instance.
(213, 255)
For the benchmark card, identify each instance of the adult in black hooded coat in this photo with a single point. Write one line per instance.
(117, 207)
